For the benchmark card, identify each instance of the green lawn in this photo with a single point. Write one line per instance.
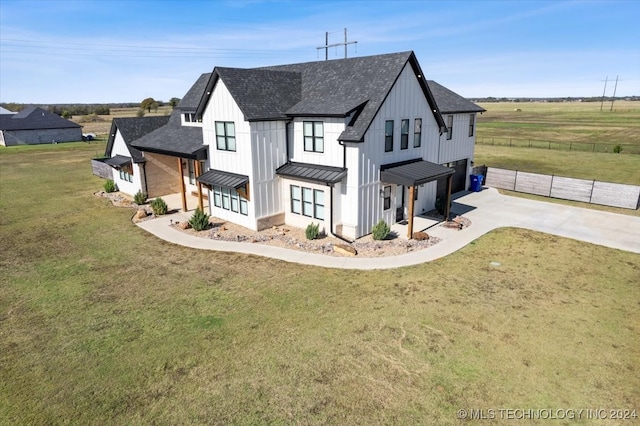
(102, 323)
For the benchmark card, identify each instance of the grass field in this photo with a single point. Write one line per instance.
(102, 323)
(103, 126)
(566, 125)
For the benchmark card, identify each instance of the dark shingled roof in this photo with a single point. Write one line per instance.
(450, 102)
(174, 139)
(133, 128)
(34, 118)
(414, 172)
(322, 88)
(261, 94)
(225, 179)
(312, 172)
(191, 99)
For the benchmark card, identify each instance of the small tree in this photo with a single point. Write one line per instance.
(140, 198)
(159, 207)
(173, 102)
(140, 113)
(199, 220)
(312, 231)
(110, 186)
(617, 149)
(66, 114)
(380, 230)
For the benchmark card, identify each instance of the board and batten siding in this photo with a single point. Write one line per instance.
(406, 100)
(461, 145)
(120, 148)
(268, 140)
(333, 151)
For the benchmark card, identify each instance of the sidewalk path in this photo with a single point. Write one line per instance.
(487, 211)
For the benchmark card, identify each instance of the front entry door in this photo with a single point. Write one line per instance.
(399, 203)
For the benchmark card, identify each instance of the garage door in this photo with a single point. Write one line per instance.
(458, 180)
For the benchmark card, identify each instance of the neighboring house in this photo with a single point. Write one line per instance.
(34, 125)
(343, 143)
(128, 163)
(5, 111)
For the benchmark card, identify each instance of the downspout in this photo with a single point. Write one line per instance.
(286, 139)
(144, 177)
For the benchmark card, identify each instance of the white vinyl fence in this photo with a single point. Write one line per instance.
(587, 191)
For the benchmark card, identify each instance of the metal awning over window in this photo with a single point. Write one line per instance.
(118, 161)
(224, 179)
(415, 172)
(312, 172)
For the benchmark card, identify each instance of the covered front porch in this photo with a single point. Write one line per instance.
(411, 174)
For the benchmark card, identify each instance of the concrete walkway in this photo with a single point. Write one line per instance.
(487, 211)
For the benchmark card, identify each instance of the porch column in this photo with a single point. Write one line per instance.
(182, 187)
(447, 207)
(412, 190)
(198, 172)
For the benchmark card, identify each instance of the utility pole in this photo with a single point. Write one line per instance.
(614, 93)
(603, 92)
(327, 45)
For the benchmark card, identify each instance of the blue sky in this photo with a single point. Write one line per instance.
(124, 51)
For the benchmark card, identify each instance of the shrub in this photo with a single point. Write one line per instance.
(199, 220)
(140, 113)
(617, 149)
(140, 198)
(159, 207)
(380, 230)
(312, 231)
(110, 186)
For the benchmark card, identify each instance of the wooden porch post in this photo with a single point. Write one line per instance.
(412, 190)
(182, 187)
(447, 207)
(200, 204)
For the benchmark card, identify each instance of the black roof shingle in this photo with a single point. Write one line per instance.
(34, 118)
(450, 102)
(132, 128)
(174, 139)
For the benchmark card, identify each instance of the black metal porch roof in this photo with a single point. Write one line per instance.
(312, 172)
(414, 172)
(224, 179)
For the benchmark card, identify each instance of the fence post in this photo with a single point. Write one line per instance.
(515, 180)
(593, 147)
(591, 195)
(549, 144)
(551, 186)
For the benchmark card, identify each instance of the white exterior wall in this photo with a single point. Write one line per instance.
(333, 151)
(461, 145)
(120, 148)
(268, 146)
(299, 220)
(222, 107)
(405, 101)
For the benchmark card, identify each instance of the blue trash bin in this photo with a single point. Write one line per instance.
(476, 183)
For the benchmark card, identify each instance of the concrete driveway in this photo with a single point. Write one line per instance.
(487, 210)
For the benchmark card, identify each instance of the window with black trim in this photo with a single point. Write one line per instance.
(313, 136)
(190, 117)
(417, 132)
(388, 136)
(225, 135)
(307, 202)
(404, 134)
(449, 127)
(229, 199)
(386, 192)
(471, 124)
(126, 174)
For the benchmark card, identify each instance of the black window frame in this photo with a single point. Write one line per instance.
(449, 127)
(404, 133)
(388, 136)
(223, 194)
(313, 137)
(386, 195)
(226, 138)
(472, 119)
(417, 132)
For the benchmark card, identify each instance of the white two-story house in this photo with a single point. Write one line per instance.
(342, 143)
